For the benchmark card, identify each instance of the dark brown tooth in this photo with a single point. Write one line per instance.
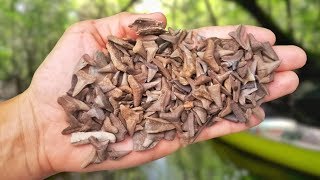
(109, 68)
(236, 87)
(124, 85)
(83, 62)
(201, 113)
(202, 79)
(180, 96)
(174, 115)
(149, 38)
(152, 70)
(116, 155)
(163, 70)
(139, 49)
(201, 67)
(244, 94)
(161, 103)
(101, 59)
(231, 117)
(235, 57)
(115, 78)
(226, 110)
(189, 66)
(106, 85)
(74, 125)
(156, 125)
(71, 104)
(151, 47)
(267, 79)
(268, 51)
(152, 84)
(146, 26)
(89, 124)
(119, 41)
(215, 93)
(116, 93)
(223, 77)
(176, 54)
(213, 109)
(137, 90)
(107, 126)
(97, 113)
(169, 38)
(142, 76)
(131, 117)
(152, 139)
(101, 148)
(264, 69)
(83, 79)
(240, 36)
(101, 100)
(115, 56)
(208, 56)
(190, 125)
(152, 96)
(229, 44)
(201, 91)
(122, 131)
(255, 45)
(138, 139)
(242, 68)
(238, 112)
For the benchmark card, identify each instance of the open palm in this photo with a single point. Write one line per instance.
(53, 77)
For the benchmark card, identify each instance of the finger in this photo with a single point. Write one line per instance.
(261, 34)
(225, 127)
(292, 57)
(118, 24)
(284, 83)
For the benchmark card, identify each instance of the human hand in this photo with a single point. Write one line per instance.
(53, 77)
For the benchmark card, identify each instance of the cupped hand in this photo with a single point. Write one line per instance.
(53, 77)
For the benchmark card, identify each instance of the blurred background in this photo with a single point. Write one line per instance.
(285, 146)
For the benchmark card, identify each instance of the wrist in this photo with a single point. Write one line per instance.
(21, 152)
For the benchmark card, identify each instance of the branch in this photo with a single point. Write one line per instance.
(130, 4)
(212, 18)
